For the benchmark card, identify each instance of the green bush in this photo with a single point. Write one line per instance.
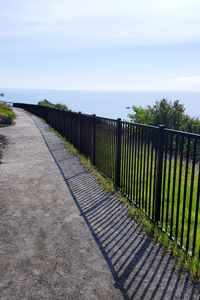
(171, 114)
(7, 115)
(50, 104)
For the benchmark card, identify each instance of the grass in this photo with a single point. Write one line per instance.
(6, 113)
(105, 183)
(174, 206)
(183, 260)
(138, 179)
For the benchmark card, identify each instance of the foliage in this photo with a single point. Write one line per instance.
(7, 113)
(171, 114)
(47, 103)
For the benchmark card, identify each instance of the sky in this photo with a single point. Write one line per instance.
(100, 44)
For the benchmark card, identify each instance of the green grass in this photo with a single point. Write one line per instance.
(140, 178)
(6, 112)
(172, 206)
(105, 182)
(182, 260)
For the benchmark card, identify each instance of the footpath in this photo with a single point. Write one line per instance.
(63, 237)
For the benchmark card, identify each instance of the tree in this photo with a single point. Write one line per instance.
(191, 124)
(171, 114)
(47, 103)
(142, 115)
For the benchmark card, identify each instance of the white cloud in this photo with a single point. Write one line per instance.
(112, 81)
(188, 82)
(62, 24)
(95, 22)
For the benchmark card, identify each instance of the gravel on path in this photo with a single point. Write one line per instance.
(140, 267)
(46, 248)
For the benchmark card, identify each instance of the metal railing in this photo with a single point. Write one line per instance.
(157, 169)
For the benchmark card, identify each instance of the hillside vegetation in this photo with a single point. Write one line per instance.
(50, 104)
(171, 114)
(7, 115)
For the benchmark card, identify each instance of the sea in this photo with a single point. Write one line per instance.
(110, 104)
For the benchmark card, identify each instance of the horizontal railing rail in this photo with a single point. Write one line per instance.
(157, 169)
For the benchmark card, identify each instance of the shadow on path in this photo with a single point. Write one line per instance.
(141, 269)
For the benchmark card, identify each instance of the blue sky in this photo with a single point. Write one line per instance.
(100, 45)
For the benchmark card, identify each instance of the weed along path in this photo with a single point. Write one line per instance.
(63, 237)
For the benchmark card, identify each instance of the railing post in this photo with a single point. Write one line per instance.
(94, 139)
(159, 164)
(70, 136)
(118, 152)
(79, 131)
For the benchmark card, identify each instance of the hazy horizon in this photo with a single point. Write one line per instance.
(97, 90)
(110, 104)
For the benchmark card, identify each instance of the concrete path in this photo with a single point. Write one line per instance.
(46, 248)
(50, 249)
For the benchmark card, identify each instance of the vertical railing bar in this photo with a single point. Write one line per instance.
(70, 119)
(191, 195)
(108, 148)
(135, 164)
(137, 174)
(118, 156)
(174, 186)
(164, 178)
(127, 160)
(159, 174)
(132, 161)
(144, 167)
(169, 181)
(147, 173)
(196, 213)
(94, 140)
(179, 185)
(140, 166)
(114, 154)
(185, 192)
(154, 177)
(123, 159)
(111, 152)
(151, 173)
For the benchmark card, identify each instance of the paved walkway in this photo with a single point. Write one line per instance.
(63, 237)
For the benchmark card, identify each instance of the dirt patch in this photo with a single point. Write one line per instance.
(5, 120)
(3, 142)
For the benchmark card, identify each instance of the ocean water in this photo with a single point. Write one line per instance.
(111, 104)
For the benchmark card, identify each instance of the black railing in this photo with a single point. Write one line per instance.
(157, 169)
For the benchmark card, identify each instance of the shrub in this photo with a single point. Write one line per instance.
(50, 104)
(7, 115)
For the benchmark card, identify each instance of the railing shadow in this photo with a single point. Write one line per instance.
(140, 267)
